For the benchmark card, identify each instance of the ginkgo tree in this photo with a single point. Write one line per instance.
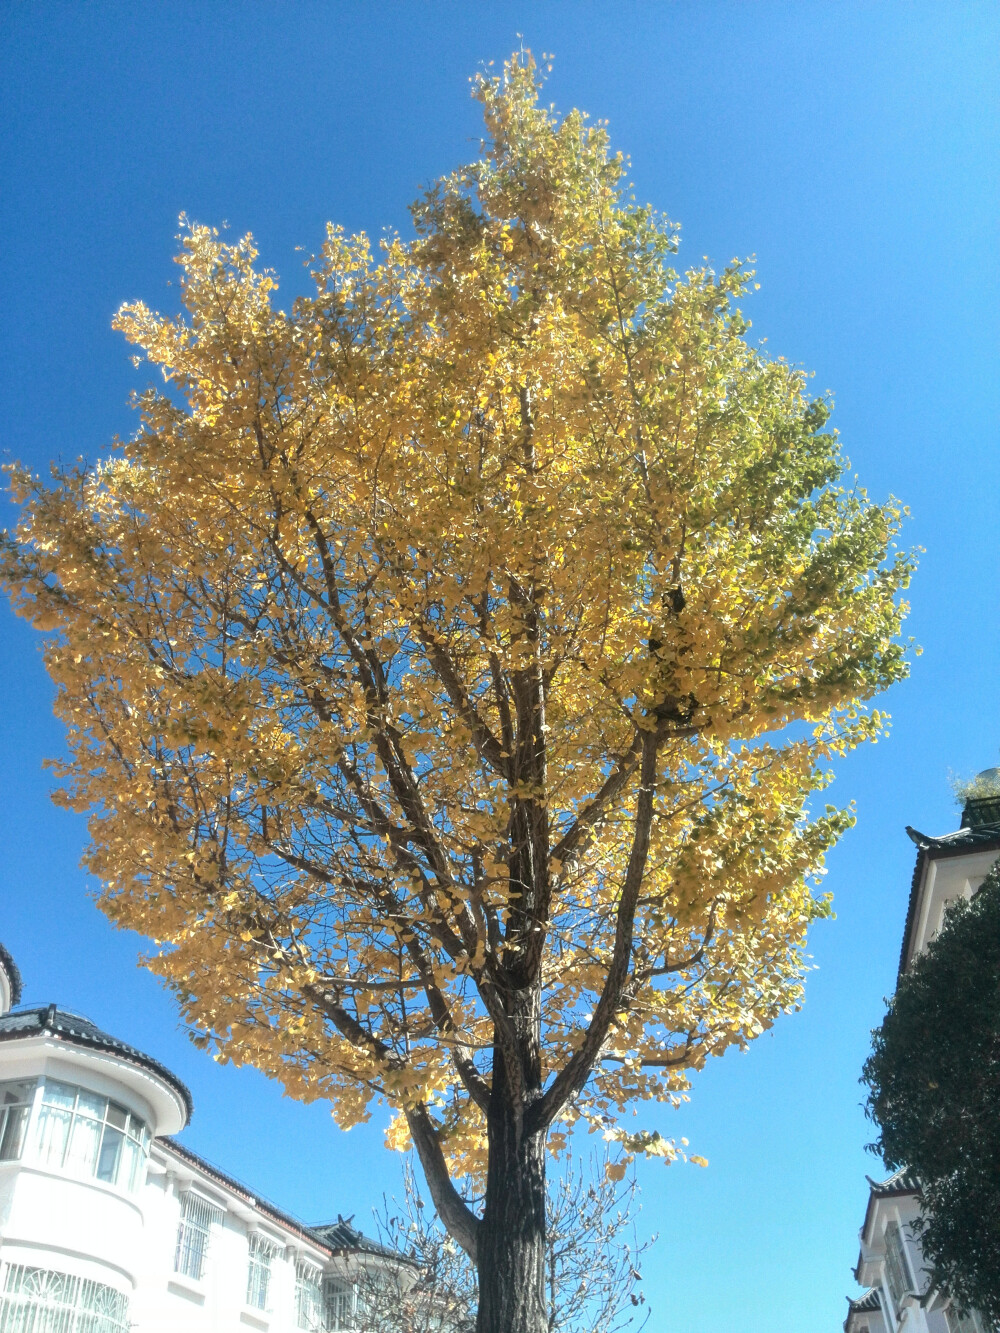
(449, 660)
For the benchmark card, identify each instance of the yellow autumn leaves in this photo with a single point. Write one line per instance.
(361, 641)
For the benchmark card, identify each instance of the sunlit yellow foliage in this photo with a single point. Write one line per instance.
(448, 660)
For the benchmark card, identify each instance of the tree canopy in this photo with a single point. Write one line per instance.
(934, 1092)
(449, 659)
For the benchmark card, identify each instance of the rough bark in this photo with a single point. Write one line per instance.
(511, 1235)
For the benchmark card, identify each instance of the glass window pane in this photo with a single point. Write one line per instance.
(59, 1094)
(90, 1104)
(20, 1093)
(81, 1130)
(84, 1142)
(896, 1265)
(52, 1135)
(194, 1233)
(308, 1296)
(261, 1252)
(13, 1123)
(117, 1115)
(132, 1160)
(110, 1155)
(339, 1304)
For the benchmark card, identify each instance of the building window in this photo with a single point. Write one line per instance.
(339, 1304)
(193, 1233)
(896, 1266)
(90, 1135)
(308, 1296)
(35, 1300)
(262, 1252)
(962, 1323)
(15, 1108)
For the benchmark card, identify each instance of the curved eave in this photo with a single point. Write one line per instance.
(60, 1031)
(12, 977)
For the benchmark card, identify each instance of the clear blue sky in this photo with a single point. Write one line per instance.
(852, 148)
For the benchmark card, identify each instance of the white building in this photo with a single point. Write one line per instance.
(898, 1298)
(108, 1225)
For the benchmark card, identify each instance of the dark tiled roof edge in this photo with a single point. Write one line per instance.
(965, 840)
(862, 1304)
(343, 1238)
(13, 975)
(901, 1182)
(245, 1193)
(78, 1031)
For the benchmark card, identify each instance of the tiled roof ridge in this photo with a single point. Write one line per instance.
(341, 1236)
(967, 836)
(13, 973)
(903, 1181)
(867, 1301)
(79, 1030)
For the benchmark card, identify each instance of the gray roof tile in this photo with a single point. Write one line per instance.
(340, 1236)
(863, 1304)
(13, 975)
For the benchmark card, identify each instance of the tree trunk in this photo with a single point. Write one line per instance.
(510, 1250)
(511, 1243)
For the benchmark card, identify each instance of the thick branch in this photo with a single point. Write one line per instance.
(462, 1223)
(571, 1078)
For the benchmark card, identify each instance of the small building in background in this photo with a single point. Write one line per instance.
(108, 1225)
(898, 1297)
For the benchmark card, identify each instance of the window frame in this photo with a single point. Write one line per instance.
(67, 1123)
(199, 1215)
(897, 1264)
(261, 1254)
(24, 1107)
(337, 1291)
(967, 1323)
(309, 1309)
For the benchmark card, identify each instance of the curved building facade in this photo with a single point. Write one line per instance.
(107, 1225)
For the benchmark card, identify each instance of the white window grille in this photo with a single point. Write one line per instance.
(90, 1135)
(896, 1266)
(262, 1252)
(15, 1108)
(35, 1300)
(308, 1296)
(339, 1303)
(194, 1231)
